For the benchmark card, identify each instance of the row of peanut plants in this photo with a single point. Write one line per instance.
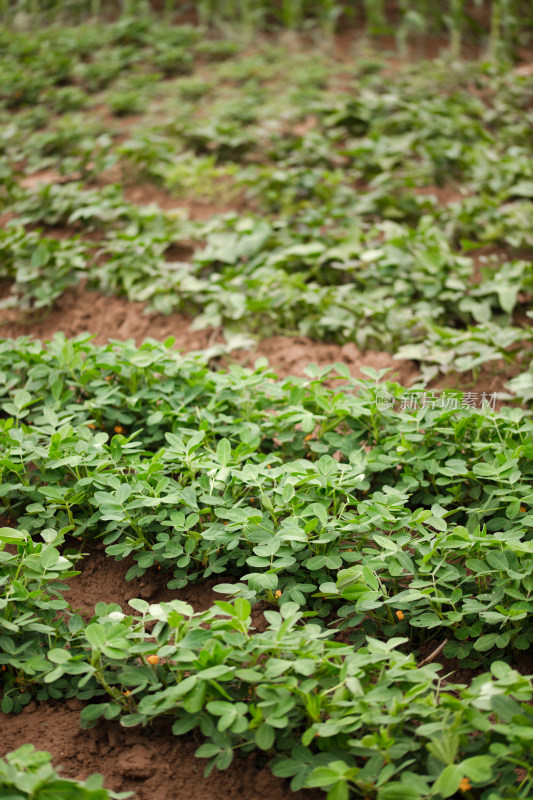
(368, 530)
(501, 24)
(344, 237)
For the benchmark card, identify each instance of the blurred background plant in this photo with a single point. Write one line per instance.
(500, 26)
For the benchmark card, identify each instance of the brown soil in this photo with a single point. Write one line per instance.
(79, 311)
(445, 195)
(487, 257)
(152, 763)
(42, 178)
(290, 355)
(195, 209)
(491, 379)
(102, 579)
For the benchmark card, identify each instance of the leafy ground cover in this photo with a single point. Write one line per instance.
(343, 235)
(395, 542)
(370, 543)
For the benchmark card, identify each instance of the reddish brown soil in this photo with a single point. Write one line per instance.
(196, 209)
(445, 195)
(102, 579)
(152, 763)
(79, 311)
(290, 355)
(491, 379)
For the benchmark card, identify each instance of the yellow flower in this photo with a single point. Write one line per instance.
(118, 429)
(465, 785)
(153, 660)
(400, 615)
(278, 593)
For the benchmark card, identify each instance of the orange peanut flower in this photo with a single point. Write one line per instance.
(400, 615)
(523, 509)
(153, 660)
(278, 593)
(92, 426)
(465, 785)
(118, 429)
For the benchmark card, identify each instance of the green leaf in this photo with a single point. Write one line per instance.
(478, 768)
(486, 642)
(139, 605)
(220, 671)
(96, 635)
(327, 466)
(54, 675)
(184, 725)
(522, 189)
(115, 448)
(21, 398)
(58, 656)
(398, 791)
(507, 296)
(12, 536)
(75, 623)
(40, 256)
(497, 559)
(207, 750)
(7, 704)
(224, 452)
(339, 791)
(265, 736)
(448, 781)
(242, 608)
